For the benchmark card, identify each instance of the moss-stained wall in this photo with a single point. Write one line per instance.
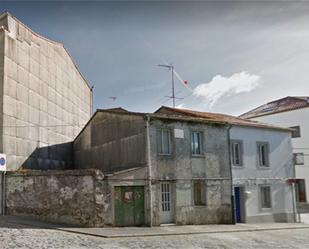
(72, 197)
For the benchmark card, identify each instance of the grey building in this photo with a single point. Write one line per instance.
(159, 168)
(45, 100)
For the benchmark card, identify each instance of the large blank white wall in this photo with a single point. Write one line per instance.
(46, 101)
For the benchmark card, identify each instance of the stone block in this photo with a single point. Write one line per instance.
(34, 68)
(23, 58)
(9, 87)
(11, 48)
(22, 76)
(9, 105)
(22, 111)
(35, 52)
(34, 99)
(34, 116)
(34, 83)
(22, 129)
(10, 68)
(9, 145)
(44, 90)
(44, 76)
(22, 93)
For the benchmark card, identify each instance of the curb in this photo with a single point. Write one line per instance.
(237, 230)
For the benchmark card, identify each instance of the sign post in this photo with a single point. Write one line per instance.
(3, 171)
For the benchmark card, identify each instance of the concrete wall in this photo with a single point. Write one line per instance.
(46, 101)
(300, 118)
(251, 176)
(181, 168)
(71, 197)
(111, 142)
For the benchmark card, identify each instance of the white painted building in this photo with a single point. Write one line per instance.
(291, 112)
(262, 163)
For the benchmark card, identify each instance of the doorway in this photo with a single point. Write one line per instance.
(167, 208)
(129, 206)
(239, 204)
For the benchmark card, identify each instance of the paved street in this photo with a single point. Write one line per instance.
(15, 236)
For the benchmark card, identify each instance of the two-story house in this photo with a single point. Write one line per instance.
(261, 163)
(174, 166)
(290, 112)
(159, 168)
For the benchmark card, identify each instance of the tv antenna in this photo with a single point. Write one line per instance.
(170, 67)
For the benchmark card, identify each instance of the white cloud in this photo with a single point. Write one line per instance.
(221, 86)
(181, 106)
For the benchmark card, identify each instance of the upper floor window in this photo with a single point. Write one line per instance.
(296, 131)
(236, 153)
(265, 195)
(199, 189)
(164, 142)
(299, 158)
(263, 154)
(196, 143)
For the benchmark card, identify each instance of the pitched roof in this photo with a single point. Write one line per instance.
(217, 117)
(288, 103)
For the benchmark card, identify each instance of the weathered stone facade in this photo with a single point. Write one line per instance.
(72, 197)
(45, 101)
(116, 141)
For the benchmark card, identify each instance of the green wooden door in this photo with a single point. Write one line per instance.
(129, 206)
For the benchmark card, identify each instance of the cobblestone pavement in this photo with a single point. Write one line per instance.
(14, 236)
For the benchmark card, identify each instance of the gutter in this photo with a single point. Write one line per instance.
(231, 173)
(148, 155)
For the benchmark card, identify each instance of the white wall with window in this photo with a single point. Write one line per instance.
(262, 161)
(299, 121)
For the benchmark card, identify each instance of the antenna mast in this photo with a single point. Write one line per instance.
(171, 68)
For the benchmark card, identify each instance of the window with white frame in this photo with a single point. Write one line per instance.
(263, 154)
(265, 195)
(236, 152)
(199, 192)
(299, 158)
(196, 143)
(296, 131)
(164, 142)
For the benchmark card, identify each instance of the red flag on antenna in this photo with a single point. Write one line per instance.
(186, 82)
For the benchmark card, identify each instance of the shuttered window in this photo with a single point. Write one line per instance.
(199, 190)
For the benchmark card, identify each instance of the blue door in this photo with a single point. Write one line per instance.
(237, 193)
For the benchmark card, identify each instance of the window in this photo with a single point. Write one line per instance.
(265, 192)
(263, 154)
(296, 131)
(236, 153)
(196, 143)
(199, 190)
(164, 142)
(299, 159)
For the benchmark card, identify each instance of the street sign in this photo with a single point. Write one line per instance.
(2, 162)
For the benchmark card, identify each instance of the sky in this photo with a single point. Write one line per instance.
(234, 55)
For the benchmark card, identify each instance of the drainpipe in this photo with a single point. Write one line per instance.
(231, 173)
(148, 154)
(3, 193)
(294, 203)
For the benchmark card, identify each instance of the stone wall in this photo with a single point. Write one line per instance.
(72, 197)
(46, 100)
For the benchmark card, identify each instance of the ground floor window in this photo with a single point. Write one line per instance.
(265, 196)
(199, 190)
(300, 189)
